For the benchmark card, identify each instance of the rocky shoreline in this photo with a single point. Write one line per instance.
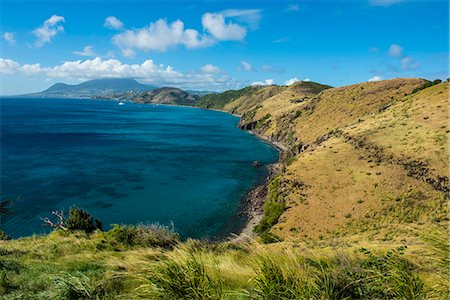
(252, 205)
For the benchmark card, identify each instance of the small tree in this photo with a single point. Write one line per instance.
(81, 220)
(78, 220)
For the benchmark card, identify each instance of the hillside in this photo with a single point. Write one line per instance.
(167, 95)
(368, 159)
(90, 88)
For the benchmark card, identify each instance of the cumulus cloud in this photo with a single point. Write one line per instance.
(395, 50)
(209, 68)
(148, 71)
(375, 78)
(245, 66)
(263, 83)
(31, 69)
(291, 81)
(159, 36)
(112, 22)
(8, 66)
(87, 51)
(215, 24)
(48, 30)
(9, 37)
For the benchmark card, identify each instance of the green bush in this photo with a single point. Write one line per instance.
(152, 235)
(80, 220)
(273, 209)
(4, 236)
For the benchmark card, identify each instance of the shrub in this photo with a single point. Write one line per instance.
(80, 220)
(273, 209)
(152, 235)
(4, 236)
(185, 280)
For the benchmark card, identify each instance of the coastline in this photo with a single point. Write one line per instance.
(251, 206)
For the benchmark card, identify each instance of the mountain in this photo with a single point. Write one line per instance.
(96, 87)
(167, 95)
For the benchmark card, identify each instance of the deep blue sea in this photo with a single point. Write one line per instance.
(126, 164)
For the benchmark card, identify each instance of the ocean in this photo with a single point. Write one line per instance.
(126, 164)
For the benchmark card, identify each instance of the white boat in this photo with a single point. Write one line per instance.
(121, 103)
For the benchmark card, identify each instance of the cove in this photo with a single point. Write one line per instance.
(126, 164)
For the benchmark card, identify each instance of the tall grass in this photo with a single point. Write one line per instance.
(188, 279)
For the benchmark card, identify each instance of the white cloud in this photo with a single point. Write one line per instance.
(48, 30)
(9, 37)
(292, 7)
(159, 36)
(395, 50)
(306, 80)
(31, 69)
(375, 78)
(384, 2)
(250, 17)
(87, 51)
(112, 22)
(245, 66)
(291, 81)
(408, 63)
(215, 24)
(147, 71)
(209, 68)
(263, 83)
(8, 66)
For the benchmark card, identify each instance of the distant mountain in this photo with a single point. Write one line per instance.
(95, 87)
(167, 95)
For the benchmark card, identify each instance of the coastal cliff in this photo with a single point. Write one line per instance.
(367, 161)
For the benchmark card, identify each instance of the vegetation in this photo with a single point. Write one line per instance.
(427, 85)
(218, 101)
(357, 210)
(80, 220)
(66, 265)
(273, 209)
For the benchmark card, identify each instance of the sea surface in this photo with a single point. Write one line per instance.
(126, 164)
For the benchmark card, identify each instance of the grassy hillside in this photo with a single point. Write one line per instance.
(356, 210)
(368, 160)
(101, 265)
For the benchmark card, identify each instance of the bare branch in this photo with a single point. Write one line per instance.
(60, 223)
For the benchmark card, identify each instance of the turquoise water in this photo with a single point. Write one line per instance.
(126, 164)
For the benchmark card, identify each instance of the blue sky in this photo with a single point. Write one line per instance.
(217, 45)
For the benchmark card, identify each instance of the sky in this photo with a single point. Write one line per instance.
(220, 45)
